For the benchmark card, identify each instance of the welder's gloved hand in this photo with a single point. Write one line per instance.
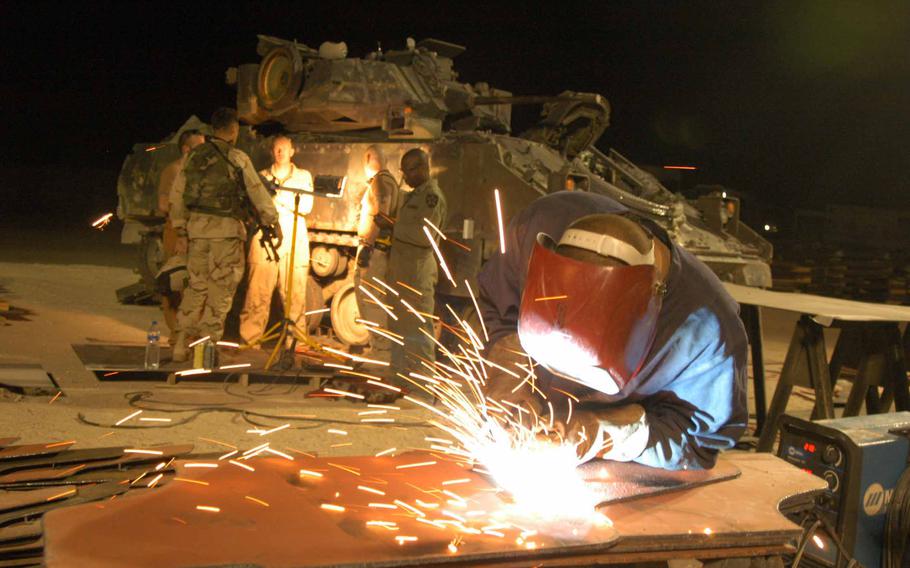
(278, 236)
(500, 384)
(618, 433)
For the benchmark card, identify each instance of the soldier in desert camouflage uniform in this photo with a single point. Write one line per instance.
(207, 210)
(378, 209)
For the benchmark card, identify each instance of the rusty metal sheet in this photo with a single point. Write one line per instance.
(273, 516)
(743, 512)
(10, 500)
(289, 527)
(56, 473)
(623, 481)
(84, 494)
(19, 532)
(4, 442)
(32, 450)
(32, 547)
(22, 562)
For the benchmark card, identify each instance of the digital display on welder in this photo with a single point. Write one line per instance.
(809, 447)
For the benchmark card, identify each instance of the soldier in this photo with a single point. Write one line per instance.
(188, 140)
(207, 210)
(412, 265)
(265, 274)
(377, 210)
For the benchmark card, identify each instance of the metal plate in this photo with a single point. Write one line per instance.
(163, 526)
(10, 500)
(66, 459)
(32, 450)
(616, 482)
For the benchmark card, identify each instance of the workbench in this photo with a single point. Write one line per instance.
(314, 512)
(870, 341)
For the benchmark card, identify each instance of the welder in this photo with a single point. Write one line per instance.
(639, 350)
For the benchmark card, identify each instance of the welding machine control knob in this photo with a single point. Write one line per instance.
(832, 455)
(833, 480)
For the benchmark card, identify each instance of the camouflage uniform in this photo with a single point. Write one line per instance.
(413, 262)
(264, 274)
(169, 302)
(216, 234)
(382, 197)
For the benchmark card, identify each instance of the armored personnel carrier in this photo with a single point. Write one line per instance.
(334, 106)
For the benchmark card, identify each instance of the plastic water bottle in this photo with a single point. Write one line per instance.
(153, 347)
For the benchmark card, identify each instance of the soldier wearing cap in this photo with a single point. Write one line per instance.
(641, 350)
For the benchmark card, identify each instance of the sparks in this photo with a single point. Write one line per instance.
(502, 234)
(385, 452)
(102, 221)
(208, 508)
(125, 418)
(145, 452)
(333, 508)
(418, 464)
(237, 366)
(230, 344)
(379, 303)
(242, 465)
(309, 473)
(319, 311)
(193, 481)
(442, 261)
(255, 500)
(198, 341)
(200, 464)
(548, 298)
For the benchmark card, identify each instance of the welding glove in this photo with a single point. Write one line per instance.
(279, 236)
(619, 433)
(500, 384)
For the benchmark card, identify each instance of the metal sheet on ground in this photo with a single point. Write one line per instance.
(122, 359)
(20, 532)
(11, 453)
(10, 500)
(4, 442)
(273, 516)
(77, 461)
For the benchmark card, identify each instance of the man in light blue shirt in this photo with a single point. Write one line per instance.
(631, 331)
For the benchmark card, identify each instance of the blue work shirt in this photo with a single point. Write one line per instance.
(692, 384)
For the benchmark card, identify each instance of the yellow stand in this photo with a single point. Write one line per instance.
(287, 326)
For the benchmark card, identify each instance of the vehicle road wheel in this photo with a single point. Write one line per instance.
(344, 314)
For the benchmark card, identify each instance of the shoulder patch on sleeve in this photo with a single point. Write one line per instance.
(432, 199)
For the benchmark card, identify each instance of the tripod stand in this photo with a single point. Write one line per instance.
(287, 327)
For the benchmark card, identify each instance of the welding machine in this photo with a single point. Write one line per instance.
(864, 460)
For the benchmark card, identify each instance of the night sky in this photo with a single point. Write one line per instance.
(794, 103)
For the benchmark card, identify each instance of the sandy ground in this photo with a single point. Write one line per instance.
(76, 303)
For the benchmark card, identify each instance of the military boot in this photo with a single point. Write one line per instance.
(180, 352)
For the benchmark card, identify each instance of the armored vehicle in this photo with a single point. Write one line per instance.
(334, 106)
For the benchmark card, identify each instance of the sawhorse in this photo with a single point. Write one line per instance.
(874, 348)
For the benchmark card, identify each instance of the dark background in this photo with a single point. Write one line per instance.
(793, 103)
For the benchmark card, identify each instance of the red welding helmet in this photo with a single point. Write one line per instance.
(590, 323)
